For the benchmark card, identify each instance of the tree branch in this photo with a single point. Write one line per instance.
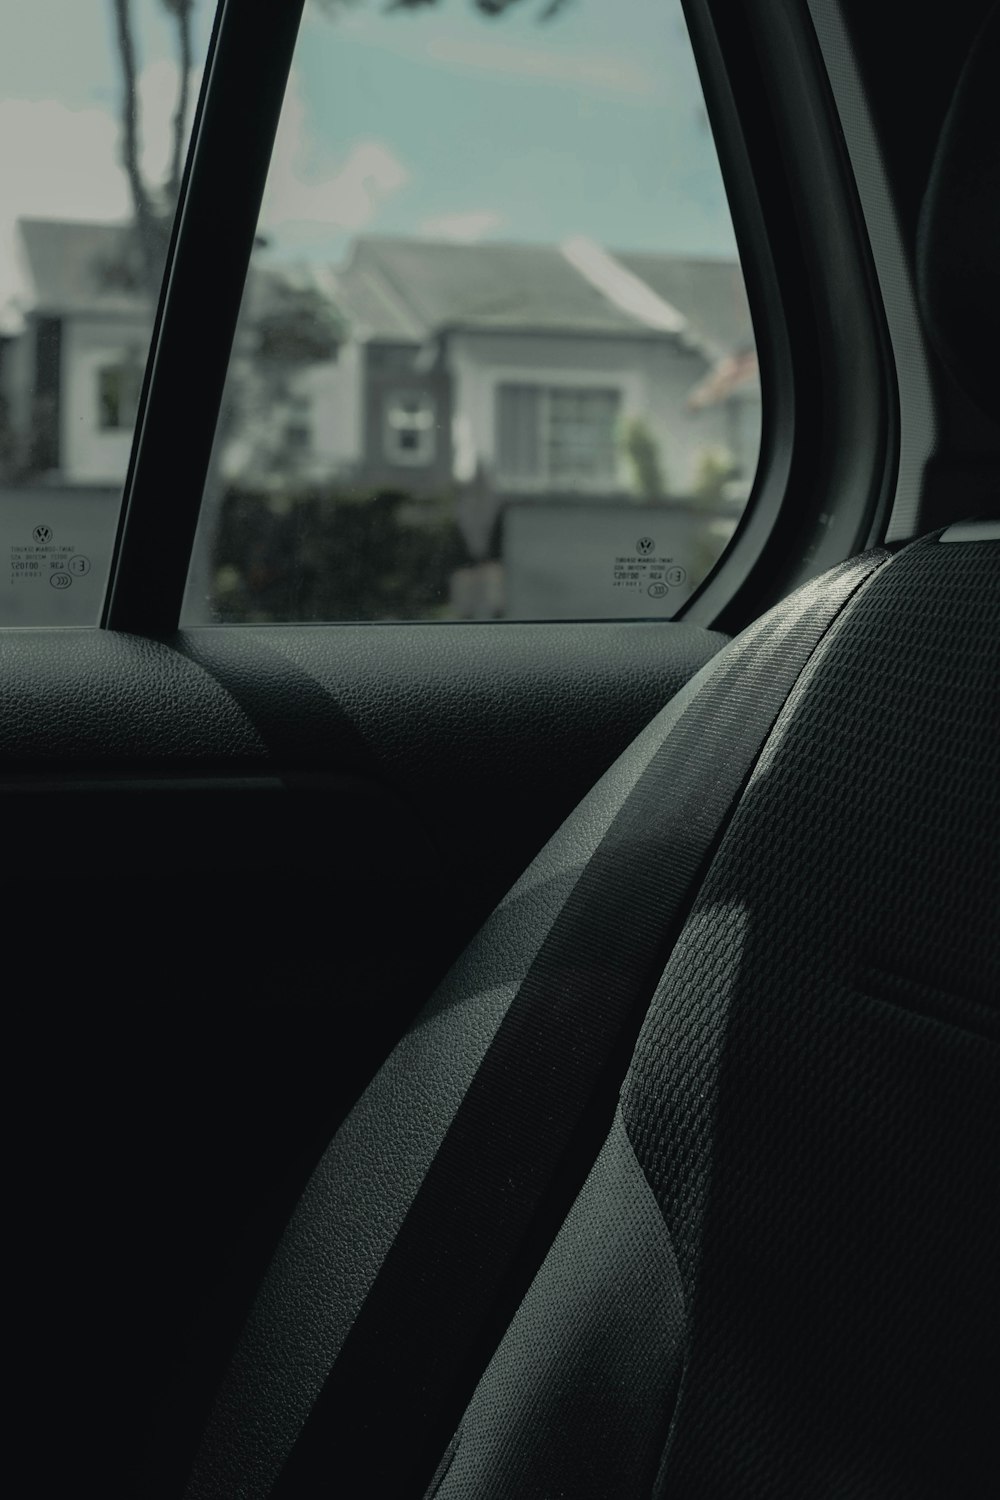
(549, 8)
(130, 124)
(182, 10)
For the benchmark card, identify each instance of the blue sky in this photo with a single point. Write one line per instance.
(437, 121)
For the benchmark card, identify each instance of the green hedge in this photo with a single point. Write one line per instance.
(321, 555)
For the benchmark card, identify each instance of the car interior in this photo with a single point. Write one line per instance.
(545, 1058)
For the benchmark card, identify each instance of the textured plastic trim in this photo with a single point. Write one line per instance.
(972, 531)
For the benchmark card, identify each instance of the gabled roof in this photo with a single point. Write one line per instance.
(415, 288)
(81, 267)
(410, 289)
(85, 268)
(710, 294)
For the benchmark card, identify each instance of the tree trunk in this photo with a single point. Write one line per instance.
(145, 218)
(182, 12)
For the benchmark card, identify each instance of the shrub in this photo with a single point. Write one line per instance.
(325, 555)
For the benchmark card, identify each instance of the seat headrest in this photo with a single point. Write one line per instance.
(958, 239)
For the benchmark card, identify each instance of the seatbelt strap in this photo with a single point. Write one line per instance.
(534, 1117)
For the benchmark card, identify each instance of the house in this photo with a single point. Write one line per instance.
(71, 379)
(418, 365)
(532, 363)
(71, 367)
(530, 390)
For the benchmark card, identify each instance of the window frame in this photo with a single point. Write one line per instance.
(546, 388)
(826, 470)
(129, 373)
(424, 455)
(213, 234)
(829, 391)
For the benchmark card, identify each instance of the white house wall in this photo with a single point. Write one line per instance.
(334, 391)
(655, 378)
(88, 454)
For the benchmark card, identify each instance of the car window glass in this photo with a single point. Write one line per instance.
(495, 358)
(96, 102)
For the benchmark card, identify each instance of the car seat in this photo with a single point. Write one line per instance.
(685, 1181)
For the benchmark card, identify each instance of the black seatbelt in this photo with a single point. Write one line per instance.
(533, 1119)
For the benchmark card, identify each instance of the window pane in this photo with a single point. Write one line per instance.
(410, 421)
(580, 438)
(495, 357)
(519, 443)
(94, 121)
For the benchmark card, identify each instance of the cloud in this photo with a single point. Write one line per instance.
(58, 163)
(62, 163)
(66, 164)
(157, 106)
(613, 75)
(464, 228)
(605, 73)
(300, 205)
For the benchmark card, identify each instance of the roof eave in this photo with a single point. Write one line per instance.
(564, 330)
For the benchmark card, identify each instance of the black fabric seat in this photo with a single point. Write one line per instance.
(776, 1277)
(794, 1220)
(781, 1271)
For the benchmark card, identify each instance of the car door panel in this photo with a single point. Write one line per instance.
(237, 863)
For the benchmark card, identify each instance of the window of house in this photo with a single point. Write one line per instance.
(298, 435)
(563, 436)
(298, 427)
(118, 389)
(409, 427)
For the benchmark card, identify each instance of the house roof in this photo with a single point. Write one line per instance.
(82, 267)
(409, 289)
(710, 293)
(734, 375)
(414, 288)
(86, 268)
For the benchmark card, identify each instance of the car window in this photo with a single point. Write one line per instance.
(495, 358)
(96, 103)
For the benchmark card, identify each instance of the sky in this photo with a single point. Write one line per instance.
(438, 122)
